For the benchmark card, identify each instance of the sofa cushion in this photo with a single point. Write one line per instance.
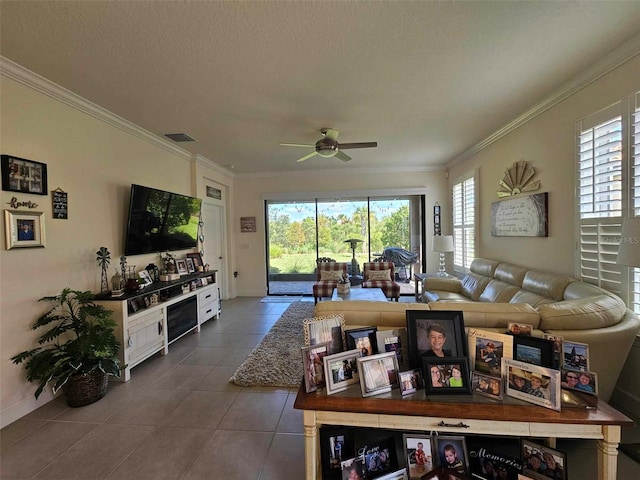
(582, 290)
(498, 292)
(546, 284)
(377, 314)
(491, 315)
(441, 295)
(484, 267)
(582, 314)
(511, 274)
(473, 284)
(533, 299)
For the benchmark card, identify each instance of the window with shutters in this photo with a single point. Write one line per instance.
(608, 191)
(464, 236)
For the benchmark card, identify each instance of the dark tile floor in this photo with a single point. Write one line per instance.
(179, 418)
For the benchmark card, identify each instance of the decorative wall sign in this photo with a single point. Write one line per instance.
(25, 176)
(521, 217)
(23, 229)
(214, 193)
(437, 229)
(518, 179)
(60, 204)
(247, 224)
(14, 203)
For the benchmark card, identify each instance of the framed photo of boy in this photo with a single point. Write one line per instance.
(418, 453)
(364, 339)
(579, 381)
(313, 363)
(435, 334)
(23, 229)
(486, 350)
(410, 381)
(341, 370)
(378, 373)
(24, 176)
(543, 463)
(336, 445)
(446, 376)
(533, 384)
(575, 356)
(451, 451)
(534, 350)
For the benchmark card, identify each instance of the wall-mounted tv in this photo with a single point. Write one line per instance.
(161, 221)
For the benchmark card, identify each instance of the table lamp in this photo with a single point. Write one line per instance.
(629, 249)
(442, 244)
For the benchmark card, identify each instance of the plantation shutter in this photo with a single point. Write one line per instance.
(600, 197)
(634, 287)
(464, 223)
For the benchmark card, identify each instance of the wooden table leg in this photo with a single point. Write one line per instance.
(608, 452)
(311, 453)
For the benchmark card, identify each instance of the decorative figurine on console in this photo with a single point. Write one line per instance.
(170, 271)
(104, 258)
(116, 285)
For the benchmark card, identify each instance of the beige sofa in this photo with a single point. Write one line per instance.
(494, 294)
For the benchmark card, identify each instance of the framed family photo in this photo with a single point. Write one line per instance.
(336, 445)
(24, 176)
(364, 339)
(313, 363)
(341, 370)
(446, 376)
(324, 329)
(487, 386)
(534, 350)
(533, 384)
(575, 355)
(410, 381)
(435, 334)
(519, 328)
(181, 266)
(419, 454)
(394, 340)
(145, 278)
(543, 463)
(486, 350)
(579, 381)
(23, 229)
(378, 373)
(196, 258)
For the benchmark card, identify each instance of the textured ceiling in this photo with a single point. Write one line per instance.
(426, 80)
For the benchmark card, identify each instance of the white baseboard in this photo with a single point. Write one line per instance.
(24, 407)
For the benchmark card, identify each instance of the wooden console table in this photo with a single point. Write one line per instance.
(390, 411)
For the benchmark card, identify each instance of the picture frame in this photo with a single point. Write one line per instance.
(23, 229)
(519, 329)
(487, 386)
(181, 265)
(541, 385)
(336, 445)
(445, 446)
(533, 350)
(410, 381)
(23, 176)
(557, 348)
(418, 453)
(364, 339)
(448, 327)
(575, 356)
(145, 277)
(534, 456)
(394, 340)
(190, 265)
(379, 455)
(446, 376)
(313, 366)
(355, 463)
(337, 381)
(325, 329)
(378, 373)
(579, 381)
(197, 259)
(486, 350)
(397, 475)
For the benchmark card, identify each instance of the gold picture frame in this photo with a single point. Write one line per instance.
(23, 229)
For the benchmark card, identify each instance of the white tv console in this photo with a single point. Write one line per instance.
(142, 326)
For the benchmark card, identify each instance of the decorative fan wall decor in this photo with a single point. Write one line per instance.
(518, 179)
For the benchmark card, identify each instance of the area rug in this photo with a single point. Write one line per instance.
(277, 360)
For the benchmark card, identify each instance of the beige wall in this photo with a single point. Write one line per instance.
(95, 163)
(250, 247)
(547, 143)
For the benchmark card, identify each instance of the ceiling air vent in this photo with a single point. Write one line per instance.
(179, 137)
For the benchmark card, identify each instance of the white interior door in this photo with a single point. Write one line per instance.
(214, 234)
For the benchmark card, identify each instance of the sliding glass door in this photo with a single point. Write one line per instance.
(300, 232)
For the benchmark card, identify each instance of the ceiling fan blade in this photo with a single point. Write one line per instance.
(342, 156)
(306, 157)
(358, 145)
(331, 133)
(297, 145)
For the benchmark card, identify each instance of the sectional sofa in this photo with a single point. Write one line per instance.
(495, 293)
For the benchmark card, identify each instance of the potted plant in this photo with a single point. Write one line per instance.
(79, 350)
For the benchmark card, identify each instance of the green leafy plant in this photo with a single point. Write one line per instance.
(80, 340)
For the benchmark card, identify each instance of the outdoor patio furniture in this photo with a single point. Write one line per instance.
(374, 277)
(328, 274)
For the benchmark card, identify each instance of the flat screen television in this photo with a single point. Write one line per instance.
(161, 221)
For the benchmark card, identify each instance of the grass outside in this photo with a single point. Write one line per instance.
(306, 262)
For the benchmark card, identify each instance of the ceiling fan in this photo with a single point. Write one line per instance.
(328, 146)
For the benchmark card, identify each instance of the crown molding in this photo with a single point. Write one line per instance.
(346, 171)
(205, 162)
(613, 60)
(40, 84)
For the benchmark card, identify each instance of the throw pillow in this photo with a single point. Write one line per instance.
(330, 275)
(379, 275)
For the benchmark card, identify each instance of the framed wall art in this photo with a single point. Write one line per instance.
(521, 217)
(24, 176)
(435, 333)
(248, 224)
(23, 229)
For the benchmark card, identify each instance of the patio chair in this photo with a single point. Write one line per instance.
(328, 274)
(381, 275)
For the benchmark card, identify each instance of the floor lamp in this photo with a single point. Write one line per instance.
(442, 244)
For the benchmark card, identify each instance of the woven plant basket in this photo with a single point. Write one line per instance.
(84, 389)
